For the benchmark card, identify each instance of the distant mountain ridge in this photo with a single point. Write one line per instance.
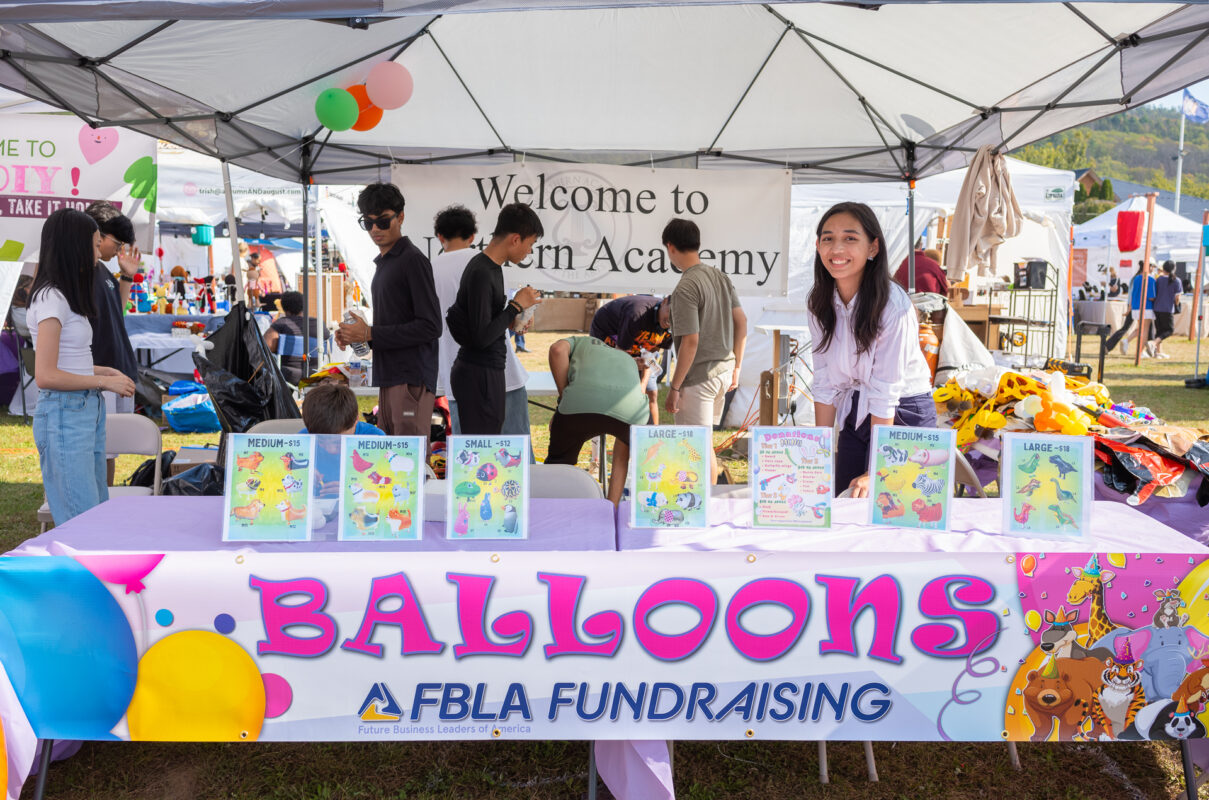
(1139, 145)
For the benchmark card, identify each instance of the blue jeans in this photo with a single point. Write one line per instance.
(69, 430)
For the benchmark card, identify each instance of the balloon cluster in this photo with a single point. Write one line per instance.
(388, 86)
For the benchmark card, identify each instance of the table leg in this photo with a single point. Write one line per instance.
(1014, 756)
(1190, 785)
(44, 768)
(824, 778)
(591, 770)
(601, 476)
(870, 764)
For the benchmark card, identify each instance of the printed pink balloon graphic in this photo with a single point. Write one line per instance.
(127, 570)
(389, 85)
(96, 143)
(278, 695)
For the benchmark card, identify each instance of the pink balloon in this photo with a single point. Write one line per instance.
(389, 85)
(125, 569)
(278, 696)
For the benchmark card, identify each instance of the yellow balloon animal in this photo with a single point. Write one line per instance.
(197, 686)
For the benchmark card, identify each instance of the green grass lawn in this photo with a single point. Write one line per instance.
(515, 770)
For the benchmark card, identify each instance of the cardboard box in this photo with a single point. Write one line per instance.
(188, 457)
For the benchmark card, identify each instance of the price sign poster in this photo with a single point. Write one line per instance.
(381, 488)
(269, 485)
(912, 476)
(1047, 485)
(670, 469)
(791, 477)
(489, 487)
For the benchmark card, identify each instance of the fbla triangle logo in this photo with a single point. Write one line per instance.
(380, 705)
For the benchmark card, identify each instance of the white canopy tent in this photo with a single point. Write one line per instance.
(1173, 237)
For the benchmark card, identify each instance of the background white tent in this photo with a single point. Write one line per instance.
(1046, 197)
(1173, 237)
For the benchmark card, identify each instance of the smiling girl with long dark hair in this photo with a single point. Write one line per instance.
(868, 367)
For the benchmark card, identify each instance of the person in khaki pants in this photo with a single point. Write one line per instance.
(709, 329)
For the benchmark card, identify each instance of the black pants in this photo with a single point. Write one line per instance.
(1114, 340)
(569, 433)
(852, 449)
(479, 392)
(1164, 324)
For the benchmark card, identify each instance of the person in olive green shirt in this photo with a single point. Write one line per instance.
(599, 393)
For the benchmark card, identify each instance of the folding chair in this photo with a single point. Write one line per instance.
(966, 478)
(563, 480)
(271, 426)
(125, 434)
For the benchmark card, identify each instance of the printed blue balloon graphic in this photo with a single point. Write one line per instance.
(66, 646)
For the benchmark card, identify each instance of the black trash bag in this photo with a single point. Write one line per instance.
(202, 480)
(149, 392)
(239, 356)
(144, 474)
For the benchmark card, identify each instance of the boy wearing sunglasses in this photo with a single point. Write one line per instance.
(407, 318)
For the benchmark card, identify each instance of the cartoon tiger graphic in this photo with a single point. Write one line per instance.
(1121, 697)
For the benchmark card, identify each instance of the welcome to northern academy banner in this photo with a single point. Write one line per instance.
(48, 162)
(603, 223)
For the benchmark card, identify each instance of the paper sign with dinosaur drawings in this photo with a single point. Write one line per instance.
(791, 477)
(381, 488)
(488, 496)
(268, 488)
(1046, 485)
(911, 476)
(669, 465)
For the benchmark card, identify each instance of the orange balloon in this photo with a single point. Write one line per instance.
(370, 114)
(1028, 564)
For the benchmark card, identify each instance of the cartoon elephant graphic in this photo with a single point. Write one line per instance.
(1165, 652)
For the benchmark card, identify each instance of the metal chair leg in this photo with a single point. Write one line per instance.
(870, 764)
(1190, 782)
(824, 778)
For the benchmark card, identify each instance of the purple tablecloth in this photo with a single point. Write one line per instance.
(976, 528)
(157, 524)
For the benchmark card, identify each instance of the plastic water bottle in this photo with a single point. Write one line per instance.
(360, 348)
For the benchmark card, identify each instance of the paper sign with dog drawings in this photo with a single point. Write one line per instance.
(488, 496)
(381, 488)
(911, 476)
(669, 466)
(1046, 485)
(268, 488)
(791, 477)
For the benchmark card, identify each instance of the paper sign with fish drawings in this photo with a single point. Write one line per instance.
(1046, 485)
(381, 488)
(268, 488)
(488, 495)
(911, 476)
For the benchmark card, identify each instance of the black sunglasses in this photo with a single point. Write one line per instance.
(382, 223)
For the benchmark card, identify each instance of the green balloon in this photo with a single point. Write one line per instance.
(337, 109)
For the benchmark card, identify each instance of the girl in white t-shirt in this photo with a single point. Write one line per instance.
(868, 367)
(69, 422)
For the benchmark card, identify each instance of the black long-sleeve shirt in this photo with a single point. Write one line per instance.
(480, 316)
(407, 318)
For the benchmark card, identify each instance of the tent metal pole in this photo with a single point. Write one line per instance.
(910, 237)
(1179, 162)
(306, 284)
(232, 230)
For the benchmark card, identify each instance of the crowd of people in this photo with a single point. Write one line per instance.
(441, 327)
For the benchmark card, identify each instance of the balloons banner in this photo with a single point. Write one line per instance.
(259, 646)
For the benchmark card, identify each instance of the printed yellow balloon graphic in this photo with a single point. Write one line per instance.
(1194, 590)
(3, 760)
(1032, 619)
(1117, 560)
(197, 686)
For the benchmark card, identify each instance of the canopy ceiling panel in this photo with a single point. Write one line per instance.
(834, 91)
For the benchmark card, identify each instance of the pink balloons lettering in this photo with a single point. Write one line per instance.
(96, 143)
(389, 85)
(128, 570)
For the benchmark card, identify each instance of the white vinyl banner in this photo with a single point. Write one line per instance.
(48, 162)
(603, 223)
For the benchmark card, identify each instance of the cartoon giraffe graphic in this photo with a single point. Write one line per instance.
(1090, 582)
